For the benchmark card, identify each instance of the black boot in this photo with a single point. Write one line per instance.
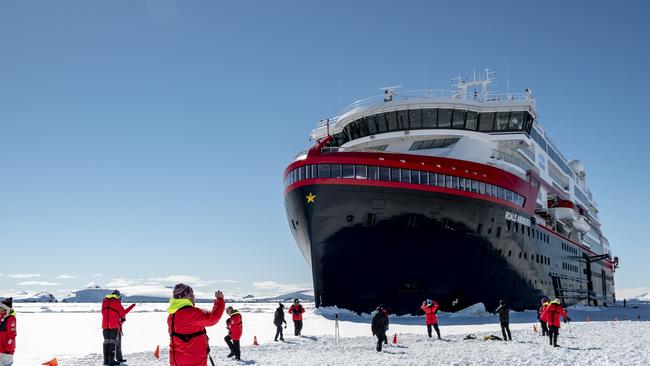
(555, 341)
(550, 339)
(111, 355)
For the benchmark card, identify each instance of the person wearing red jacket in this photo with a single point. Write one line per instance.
(7, 332)
(430, 309)
(188, 343)
(234, 325)
(542, 323)
(296, 311)
(551, 315)
(113, 315)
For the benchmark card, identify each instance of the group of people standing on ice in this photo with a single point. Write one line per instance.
(380, 322)
(186, 325)
(549, 318)
(549, 315)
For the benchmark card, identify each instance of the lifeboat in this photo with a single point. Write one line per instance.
(563, 210)
(581, 224)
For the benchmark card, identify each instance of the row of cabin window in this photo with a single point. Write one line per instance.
(570, 267)
(569, 249)
(531, 232)
(542, 259)
(413, 119)
(401, 175)
(551, 152)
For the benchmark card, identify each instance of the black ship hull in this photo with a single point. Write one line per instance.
(370, 245)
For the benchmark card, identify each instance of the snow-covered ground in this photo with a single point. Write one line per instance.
(71, 332)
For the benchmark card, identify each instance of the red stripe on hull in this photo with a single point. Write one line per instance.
(409, 186)
(447, 166)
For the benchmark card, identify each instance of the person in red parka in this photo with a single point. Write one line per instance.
(113, 315)
(188, 343)
(7, 332)
(234, 325)
(296, 311)
(430, 309)
(551, 315)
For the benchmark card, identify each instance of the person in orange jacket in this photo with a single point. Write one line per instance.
(235, 328)
(296, 311)
(7, 332)
(188, 341)
(113, 315)
(430, 309)
(542, 323)
(551, 316)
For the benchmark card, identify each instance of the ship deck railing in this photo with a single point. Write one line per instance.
(430, 95)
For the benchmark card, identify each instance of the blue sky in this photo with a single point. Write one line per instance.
(146, 139)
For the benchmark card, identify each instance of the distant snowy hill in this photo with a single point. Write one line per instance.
(139, 294)
(25, 296)
(640, 294)
(302, 295)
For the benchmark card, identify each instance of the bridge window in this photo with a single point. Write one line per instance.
(363, 127)
(372, 127)
(471, 121)
(403, 119)
(486, 121)
(380, 120)
(429, 118)
(392, 121)
(444, 118)
(502, 121)
(458, 120)
(516, 121)
(415, 116)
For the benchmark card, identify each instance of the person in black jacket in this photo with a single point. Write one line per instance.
(504, 319)
(380, 326)
(278, 319)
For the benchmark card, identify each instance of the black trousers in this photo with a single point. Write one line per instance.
(112, 346)
(234, 346)
(297, 327)
(505, 330)
(553, 333)
(435, 326)
(278, 332)
(544, 327)
(381, 339)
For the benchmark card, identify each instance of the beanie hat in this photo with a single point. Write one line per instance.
(182, 291)
(117, 293)
(8, 301)
(281, 305)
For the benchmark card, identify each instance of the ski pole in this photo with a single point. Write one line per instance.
(211, 361)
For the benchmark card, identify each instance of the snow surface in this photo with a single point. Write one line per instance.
(71, 332)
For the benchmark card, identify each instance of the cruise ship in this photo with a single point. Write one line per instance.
(457, 196)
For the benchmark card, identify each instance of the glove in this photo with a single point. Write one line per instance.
(123, 320)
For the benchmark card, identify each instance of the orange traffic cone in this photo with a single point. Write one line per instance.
(52, 362)
(534, 328)
(255, 341)
(156, 353)
(395, 339)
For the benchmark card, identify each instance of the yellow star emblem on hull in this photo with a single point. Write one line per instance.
(311, 198)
